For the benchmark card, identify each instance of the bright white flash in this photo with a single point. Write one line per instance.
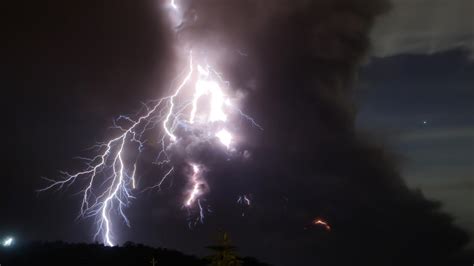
(7, 242)
(224, 137)
(206, 86)
(174, 5)
(110, 176)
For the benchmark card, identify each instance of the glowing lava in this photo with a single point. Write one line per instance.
(322, 223)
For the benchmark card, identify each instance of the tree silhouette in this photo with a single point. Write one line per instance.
(225, 253)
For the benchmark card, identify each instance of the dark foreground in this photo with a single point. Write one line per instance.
(59, 253)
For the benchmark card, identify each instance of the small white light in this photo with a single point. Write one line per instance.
(8, 241)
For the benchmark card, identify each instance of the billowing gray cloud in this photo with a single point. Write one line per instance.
(425, 27)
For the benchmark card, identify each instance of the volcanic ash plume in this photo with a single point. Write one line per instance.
(297, 61)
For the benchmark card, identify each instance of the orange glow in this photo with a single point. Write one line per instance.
(322, 223)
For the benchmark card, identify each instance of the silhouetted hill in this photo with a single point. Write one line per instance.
(65, 254)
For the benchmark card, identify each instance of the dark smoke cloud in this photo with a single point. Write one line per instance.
(300, 62)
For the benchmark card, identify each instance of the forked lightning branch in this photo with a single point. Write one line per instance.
(110, 175)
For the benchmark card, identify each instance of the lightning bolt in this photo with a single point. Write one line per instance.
(110, 176)
(244, 200)
(196, 191)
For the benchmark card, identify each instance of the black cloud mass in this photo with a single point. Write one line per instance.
(296, 61)
(309, 161)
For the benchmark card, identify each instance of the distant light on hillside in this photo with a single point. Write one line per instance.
(7, 241)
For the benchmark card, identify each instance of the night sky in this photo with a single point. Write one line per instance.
(421, 105)
(367, 123)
